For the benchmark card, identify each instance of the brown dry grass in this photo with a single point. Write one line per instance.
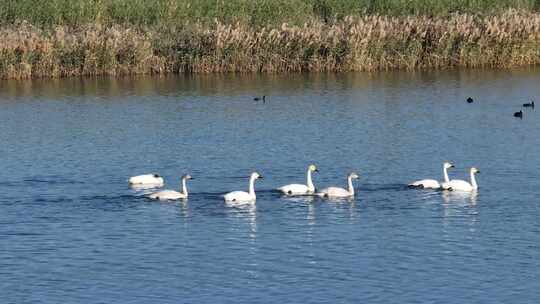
(361, 43)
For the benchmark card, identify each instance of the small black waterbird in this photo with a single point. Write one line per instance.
(529, 104)
(259, 98)
(470, 100)
(519, 114)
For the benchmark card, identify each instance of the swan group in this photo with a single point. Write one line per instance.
(243, 197)
(461, 185)
(449, 184)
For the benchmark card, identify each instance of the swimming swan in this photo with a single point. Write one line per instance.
(241, 196)
(299, 189)
(146, 179)
(431, 183)
(461, 185)
(336, 192)
(167, 195)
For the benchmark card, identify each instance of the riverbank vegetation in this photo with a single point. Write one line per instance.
(97, 37)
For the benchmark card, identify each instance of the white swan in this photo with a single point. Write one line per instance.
(154, 180)
(431, 183)
(241, 196)
(461, 185)
(336, 192)
(299, 189)
(167, 195)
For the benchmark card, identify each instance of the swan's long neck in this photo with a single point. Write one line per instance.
(351, 188)
(445, 170)
(473, 181)
(252, 186)
(310, 182)
(184, 187)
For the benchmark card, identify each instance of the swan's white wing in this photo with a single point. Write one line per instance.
(238, 196)
(167, 195)
(426, 184)
(457, 185)
(334, 192)
(295, 189)
(153, 179)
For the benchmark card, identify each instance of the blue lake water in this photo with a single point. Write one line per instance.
(71, 231)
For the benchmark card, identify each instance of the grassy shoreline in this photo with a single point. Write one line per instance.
(506, 39)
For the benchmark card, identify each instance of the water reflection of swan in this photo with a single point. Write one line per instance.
(299, 189)
(307, 199)
(311, 219)
(184, 209)
(460, 197)
(461, 205)
(338, 200)
(345, 204)
(431, 183)
(249, 212)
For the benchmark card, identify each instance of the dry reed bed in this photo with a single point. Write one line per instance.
(354, 44)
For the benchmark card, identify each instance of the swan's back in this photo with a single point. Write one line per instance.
(457, 184)
(334, 192)
(167, 195)
(153, 179)
(238, 196)
(294, 189)
(426, 184)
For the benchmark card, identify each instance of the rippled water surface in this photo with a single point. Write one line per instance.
(71, 231)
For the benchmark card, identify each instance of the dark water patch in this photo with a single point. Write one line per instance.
(51, 180)
(53, 200)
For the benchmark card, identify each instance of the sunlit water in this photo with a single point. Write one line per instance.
(71, 231)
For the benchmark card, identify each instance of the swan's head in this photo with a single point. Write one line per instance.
(448, 165)
(313, 168)
(187, 176)
(474, 170)
(256, 175)
(354, 175)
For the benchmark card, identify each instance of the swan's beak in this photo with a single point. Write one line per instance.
(261, 177)
(316, 170)
(477, 171)
(452, 166)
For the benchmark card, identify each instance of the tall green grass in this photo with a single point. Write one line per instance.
(56, 38)
(252, 12)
